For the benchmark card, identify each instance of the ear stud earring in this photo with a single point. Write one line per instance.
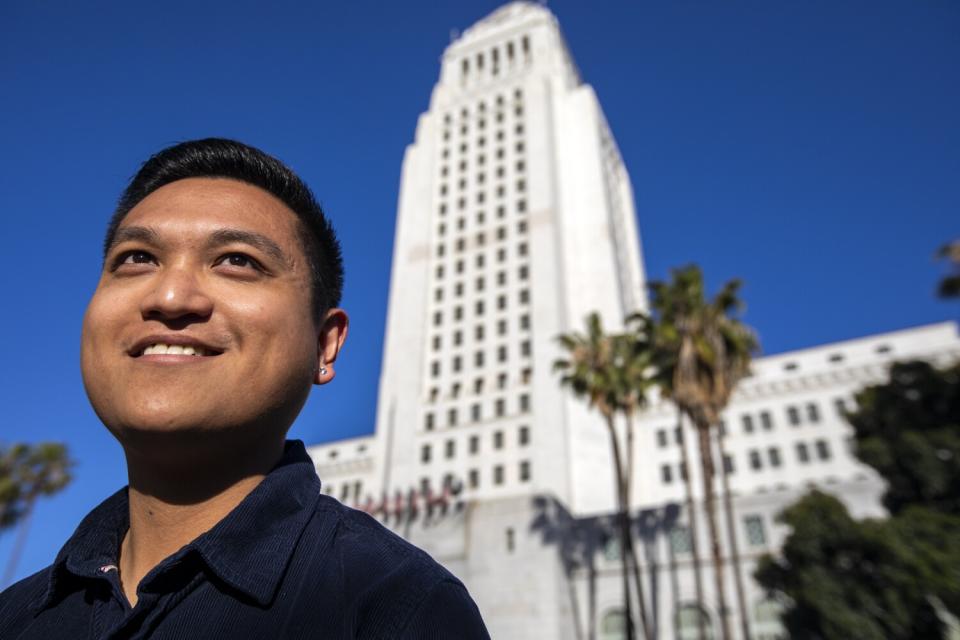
(323, 371)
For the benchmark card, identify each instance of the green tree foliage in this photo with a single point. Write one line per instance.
(894, 578)
(28, 472)
(909, 431)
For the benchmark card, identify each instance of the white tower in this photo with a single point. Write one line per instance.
(515, 220)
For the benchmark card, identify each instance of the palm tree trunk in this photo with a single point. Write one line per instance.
(624, 526)
(634, 560)
(709, 495)
(18, 544)
(732, 534)
(692, 524)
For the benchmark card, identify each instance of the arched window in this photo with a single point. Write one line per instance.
(688, 622)
(766, 614)
(613, 625)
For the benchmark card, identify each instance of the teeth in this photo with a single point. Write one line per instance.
(173, 349)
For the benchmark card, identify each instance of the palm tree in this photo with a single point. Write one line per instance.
(633, 376)
(663, 361)
(26, 473)
(589, 373)
(950, 284)
(706, 351)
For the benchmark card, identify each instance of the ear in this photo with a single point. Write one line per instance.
(333, 331)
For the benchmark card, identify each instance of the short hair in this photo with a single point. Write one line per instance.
(222, 158)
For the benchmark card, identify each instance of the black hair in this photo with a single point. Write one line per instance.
(222, 158)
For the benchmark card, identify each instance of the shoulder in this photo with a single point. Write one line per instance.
(403, 589)
(18, 601)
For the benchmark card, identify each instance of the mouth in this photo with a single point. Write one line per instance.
(155, 349)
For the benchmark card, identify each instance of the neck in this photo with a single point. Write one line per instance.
(172, 503)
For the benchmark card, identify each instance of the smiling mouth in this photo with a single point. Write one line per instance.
(161, 349)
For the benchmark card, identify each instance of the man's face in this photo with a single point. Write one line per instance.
(202, 318)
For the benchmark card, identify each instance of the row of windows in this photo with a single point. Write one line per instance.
(481, 260)
(500, 172)
(479, 383)
(480, 331)
(524, 475)
(795, 414)
(523, 274)
(481, 124)
(479, 357)
(680, 541)
(506, 51)
(498, 439)
(479, 307)
(481, 237)
(476, 411)
(756, 457)
(499, 102)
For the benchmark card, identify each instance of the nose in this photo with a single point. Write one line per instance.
(178, 294)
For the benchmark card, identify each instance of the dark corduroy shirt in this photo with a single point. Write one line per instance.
(287, 562)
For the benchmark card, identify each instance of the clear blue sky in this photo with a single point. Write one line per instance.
(811, 148)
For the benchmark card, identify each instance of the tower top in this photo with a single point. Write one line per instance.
(508, 16)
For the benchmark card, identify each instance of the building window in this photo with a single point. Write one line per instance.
(756, 537)
(499, 407)
(523, 272)
(475, 412)
(841, 407)
(425, 453)
(793, 416)
(436, 343)
(478, 307)
(813, 412)
(498, 439)
(501, 380)
(502, 353)
(728, 467)
(478, 386)
(678, 435)
(666, 474)
(437, 318)
(524, 403)
(747, 421)
(458, 312)
(680, 539)
(773, 454)
(450, 448)
(525, 348)
(661, 438)
(823, 449)
(457, 337)
(434, 368)
(522, 249)
(480, 284)
(524, 296)
(478, 359)
(428, 421)
(766, 420)
(474, 444)
(456, 363)
(452, 417)
(803, 453)
(501, 302)
(755, 462)
(525, 375)
(439, 272)
(473, 478)
(498, 474)
(525, 471)
(501, 327)
(523, 436)
(525, 321)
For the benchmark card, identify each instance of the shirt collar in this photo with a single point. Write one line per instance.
(249, 549)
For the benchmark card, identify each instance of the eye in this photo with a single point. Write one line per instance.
(136, 256)
(239, 260)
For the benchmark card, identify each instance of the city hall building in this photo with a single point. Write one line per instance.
(515, 221)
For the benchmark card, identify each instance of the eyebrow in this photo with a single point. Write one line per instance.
(218, 238)
(259, 241)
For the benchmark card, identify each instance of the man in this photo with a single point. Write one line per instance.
(215, 312)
